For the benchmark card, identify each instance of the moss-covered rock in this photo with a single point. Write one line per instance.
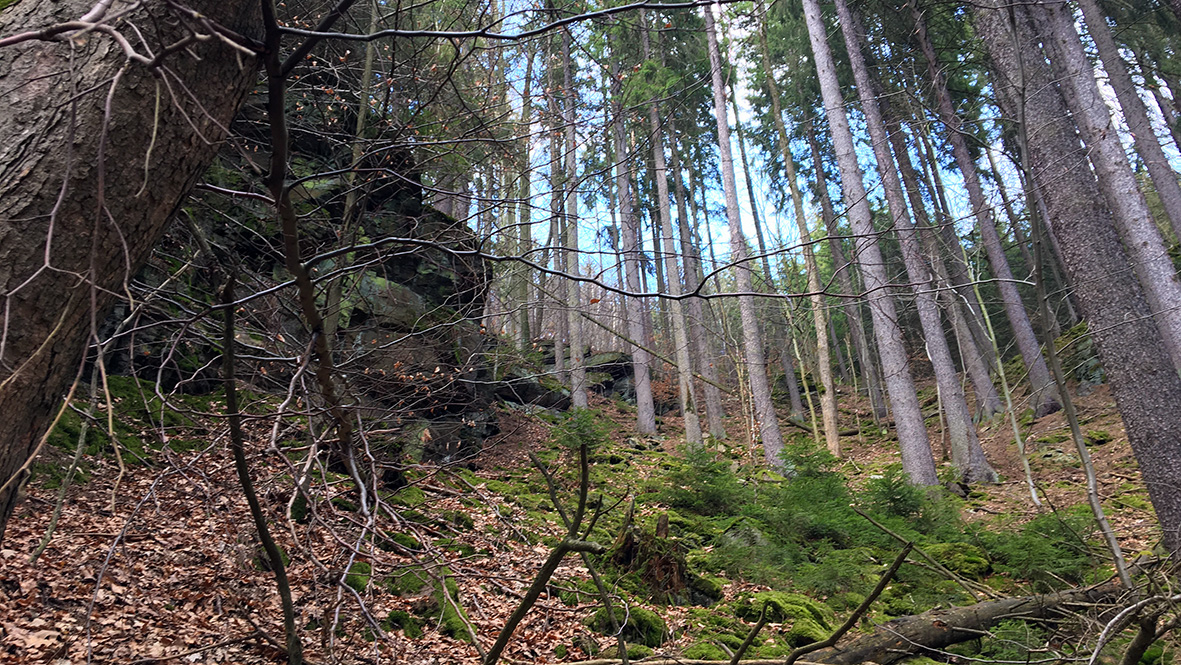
(704, 651)
(809, 620)
(359, 575)
(404, 621)
(430, 600)
(643, 626)
(962, 559)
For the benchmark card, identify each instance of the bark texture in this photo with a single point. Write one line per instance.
(1117, 182)
(1140, 371)
(90, 173)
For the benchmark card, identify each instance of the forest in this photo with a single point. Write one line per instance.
(577, 331)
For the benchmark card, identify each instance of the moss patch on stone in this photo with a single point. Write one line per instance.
(643, 626)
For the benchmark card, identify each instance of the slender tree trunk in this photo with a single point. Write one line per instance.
(1146, 387)
(524, 230)
(703, 342)
(573, 261)
(685, 386)
(1164, 178)
(953, 248)
(752, 340)
(843, 269)
(828, 401)
(988, 402)
(1046, 398)
(64, 159)
(641, 359)
(966, 453)
(917, 460)
(1117, 182)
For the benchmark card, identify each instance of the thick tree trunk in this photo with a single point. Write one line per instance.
(90, 173)
(917, 460)
(756, 364)
(1140, 371)
(966, 453)
(1117, 182)
(1046, 399)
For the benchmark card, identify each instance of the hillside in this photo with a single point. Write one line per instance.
(173, 571)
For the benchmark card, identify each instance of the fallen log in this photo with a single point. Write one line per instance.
(906, 637)
(910, 636)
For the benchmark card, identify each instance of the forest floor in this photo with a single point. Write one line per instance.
(170, 571)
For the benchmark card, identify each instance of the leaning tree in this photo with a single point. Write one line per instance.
(112, 115)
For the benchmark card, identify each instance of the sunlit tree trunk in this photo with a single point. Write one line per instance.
(917, 460)
(686, 389)
(844, 269)
(752, 340)
(703, 343)
(573, 261)
(988, 402)
(1117, 182)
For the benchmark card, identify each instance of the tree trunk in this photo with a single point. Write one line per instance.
(573, 260)
(966, 453)
(907, 637)
(828, 401)
(686, 390)
(988, 402)
(1143, 381)
(641, 359)
(752, 340)
(1046, 399)
(843, 269)
(703, 343)
(917, 460)
(1117, 182)
(92, 171)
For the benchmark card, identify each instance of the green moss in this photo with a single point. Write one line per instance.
(457, 546)
(643, 626)
(704, 651)
(1098, 437)
(962, 559)
(416, 581)
(634, 651)
(459, 520)
(263, 562)
(810, 621)
(561, 650)
(402, 620)
(411, 497)
(358, 576)
(299, 508)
